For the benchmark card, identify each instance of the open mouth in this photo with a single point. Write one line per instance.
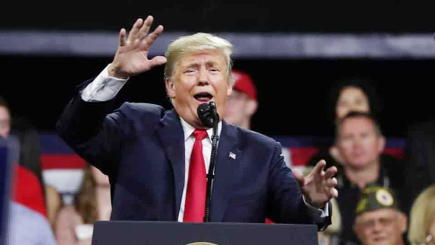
(203, 97)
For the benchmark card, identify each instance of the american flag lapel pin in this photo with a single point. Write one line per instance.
(233, 156)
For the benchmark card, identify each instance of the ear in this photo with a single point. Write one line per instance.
(170, 87)
(403, 222)
(251, 107)
(229, 90)
(381, 144)
(357, 229)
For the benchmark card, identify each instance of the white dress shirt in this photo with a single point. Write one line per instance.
(105, 87)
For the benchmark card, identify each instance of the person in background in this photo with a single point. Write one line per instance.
(25, 226)
(422, 218)
(360, 142)
(74, 224)
(27, 136)
(352, 94)
(379, 219)
(242, 103)
(27, 210)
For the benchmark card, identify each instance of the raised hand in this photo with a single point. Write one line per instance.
(131, 58)
(318, 187)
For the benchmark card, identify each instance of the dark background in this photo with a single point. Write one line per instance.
(292, 92)
(393, 16)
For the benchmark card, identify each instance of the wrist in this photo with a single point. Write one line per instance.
(113, 71)
(309, 201)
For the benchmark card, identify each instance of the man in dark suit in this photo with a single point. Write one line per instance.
(420, 159)
(151, 155)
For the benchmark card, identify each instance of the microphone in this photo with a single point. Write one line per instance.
(208, 115)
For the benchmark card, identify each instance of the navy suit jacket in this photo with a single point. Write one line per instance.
(141, 148)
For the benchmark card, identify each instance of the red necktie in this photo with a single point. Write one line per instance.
(196, 186)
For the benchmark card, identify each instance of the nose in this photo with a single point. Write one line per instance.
(203, 77)
(377, 226)
(357, 142)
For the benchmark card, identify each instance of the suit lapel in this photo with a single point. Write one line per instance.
(228, 156)
(172, 137)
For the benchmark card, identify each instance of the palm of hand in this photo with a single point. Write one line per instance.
(319, 186)
(132, 55)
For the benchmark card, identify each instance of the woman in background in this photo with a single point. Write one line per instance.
(355, 94)
(422, 219)
(74, 223)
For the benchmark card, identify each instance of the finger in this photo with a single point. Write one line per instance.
(299, 177)
(334, 193)
(319, 167)
(158, 60)
(145, 27)
(135, 29)
(122, 34)
(331, 182)
(152, 37)
(330, 172)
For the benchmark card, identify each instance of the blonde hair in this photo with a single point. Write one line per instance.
(422, 216)
(195, 43)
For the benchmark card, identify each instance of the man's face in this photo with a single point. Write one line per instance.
(358, 142)
(5, 122)
(199, 78)
(239, 109)
(381, 227)
(351, 99)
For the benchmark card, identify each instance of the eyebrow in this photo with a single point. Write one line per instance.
(196, 64)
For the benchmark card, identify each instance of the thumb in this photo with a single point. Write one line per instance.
(299, 177)
(158, 60)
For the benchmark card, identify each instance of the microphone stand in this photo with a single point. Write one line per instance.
(210, 175)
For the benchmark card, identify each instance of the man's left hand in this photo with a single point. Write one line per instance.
(318, 187)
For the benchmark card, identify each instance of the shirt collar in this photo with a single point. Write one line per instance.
(382, 180)
(188, 129)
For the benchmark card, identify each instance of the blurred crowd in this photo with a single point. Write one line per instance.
(382, 199)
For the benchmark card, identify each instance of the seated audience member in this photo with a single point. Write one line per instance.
(355, 94)
(242, 103)
(27, 190)
(74, 224)
(331, 236)
(360, 142)
(422, 219)
(378, 218)
(420, 159)
(28, 138)
(27, 227)
(53, 203)
(26, 220)
(5, 119)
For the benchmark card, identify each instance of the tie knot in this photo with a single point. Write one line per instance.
(199, 134)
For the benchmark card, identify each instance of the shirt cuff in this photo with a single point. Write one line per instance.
(103, 88)
(318, 215)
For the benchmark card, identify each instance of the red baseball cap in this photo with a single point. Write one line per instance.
(244, 84)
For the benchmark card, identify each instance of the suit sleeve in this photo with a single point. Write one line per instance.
(92, 132)
(285, 202)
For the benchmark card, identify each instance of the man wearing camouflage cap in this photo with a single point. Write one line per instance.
(378, 218)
